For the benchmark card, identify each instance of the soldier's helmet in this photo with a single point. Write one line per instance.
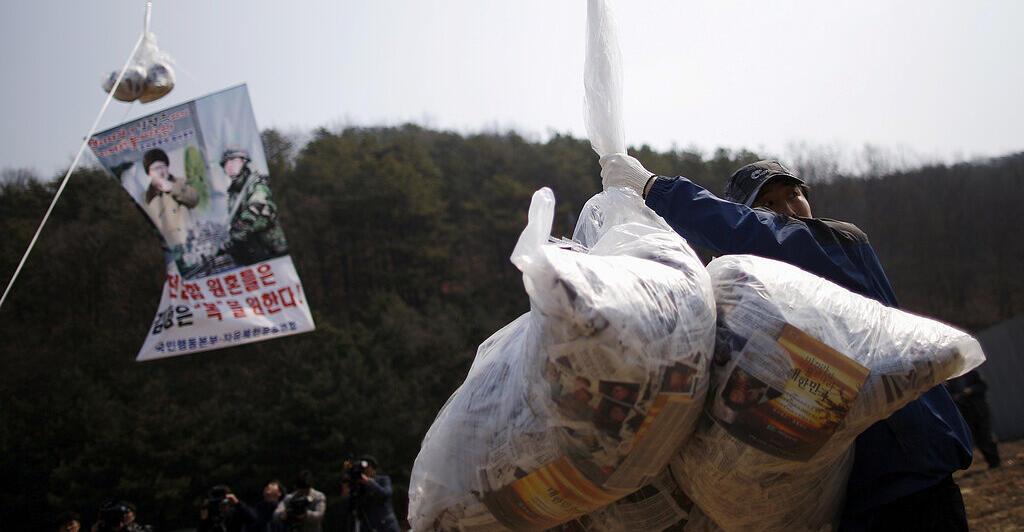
(234, 151)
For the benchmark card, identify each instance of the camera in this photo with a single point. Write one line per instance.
(217, 504)
(298, 506)
(111, 515)
(356, 470)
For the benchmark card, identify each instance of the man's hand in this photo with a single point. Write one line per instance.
(161, 184)
(363, 479)
(231, 498)
(621, 170)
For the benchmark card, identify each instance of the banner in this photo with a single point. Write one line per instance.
(198, 172)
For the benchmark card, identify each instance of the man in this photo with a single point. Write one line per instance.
(130, 525)
(901, 477)
(273, 492)
(252, 213)
(968, 393)
(69, 522)
(223, 512)
(114, 516)
(168, 198)
(366, 498)
(304, 508)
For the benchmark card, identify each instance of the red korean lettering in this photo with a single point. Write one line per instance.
(191, 291)
(236, 308)
(216, 288)
(213, 311)
(271, 302)
(254, 304)
(287, 297)
(172, 285)
(231, 281)
(249, 280)
(266, 274)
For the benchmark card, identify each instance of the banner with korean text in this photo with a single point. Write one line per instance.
(198, 173)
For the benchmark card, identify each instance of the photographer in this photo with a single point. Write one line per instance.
(69, 522)
(366, 498)
(129, 521)
(114, 516)
(223, 512)
(273, 492)
(302, 509)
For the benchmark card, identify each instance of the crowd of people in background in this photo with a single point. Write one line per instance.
(366, 505)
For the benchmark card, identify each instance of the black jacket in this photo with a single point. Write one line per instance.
(370, 504)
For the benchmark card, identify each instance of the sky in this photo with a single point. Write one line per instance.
(940, 79)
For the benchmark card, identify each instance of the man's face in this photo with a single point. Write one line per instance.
(272, 492)
(71, 526)
(233, 166)
(158, 170)
(784, 197)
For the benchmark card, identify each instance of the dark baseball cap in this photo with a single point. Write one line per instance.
(746, 182)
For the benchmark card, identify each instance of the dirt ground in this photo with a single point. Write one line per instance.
(995, 498)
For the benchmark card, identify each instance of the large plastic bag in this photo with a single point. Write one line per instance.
(583, 399)
(802, 366)
(149, 76)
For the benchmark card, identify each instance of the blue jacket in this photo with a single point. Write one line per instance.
(915, 448)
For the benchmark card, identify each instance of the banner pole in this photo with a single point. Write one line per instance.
(78, 157)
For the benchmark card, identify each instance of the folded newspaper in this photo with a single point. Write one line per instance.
(583, 399)
(660, 505)
(802, 366)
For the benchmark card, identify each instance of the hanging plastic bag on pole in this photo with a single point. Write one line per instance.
(159, 74)
(583, 399)
(802, 367)
(131, 85)
(149, 77)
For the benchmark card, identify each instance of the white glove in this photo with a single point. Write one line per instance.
(621, 170)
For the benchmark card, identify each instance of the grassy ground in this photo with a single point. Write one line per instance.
(995, 498)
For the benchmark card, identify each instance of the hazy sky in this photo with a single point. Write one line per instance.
(940, 78)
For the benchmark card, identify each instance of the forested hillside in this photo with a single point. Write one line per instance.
(401, 237)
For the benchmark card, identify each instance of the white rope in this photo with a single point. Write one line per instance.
(81, 150)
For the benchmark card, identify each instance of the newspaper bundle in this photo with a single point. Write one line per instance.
(801, 367)
(582, 400)
(660, 505)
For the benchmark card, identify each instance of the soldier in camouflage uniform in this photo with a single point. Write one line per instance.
(255, 233)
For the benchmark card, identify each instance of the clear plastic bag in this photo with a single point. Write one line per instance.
(802, 366)
(602, 81)
(131, 85)
(583, 399)
(149, 77)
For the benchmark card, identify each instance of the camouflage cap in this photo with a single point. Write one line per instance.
(746, 182)
(234, 151)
